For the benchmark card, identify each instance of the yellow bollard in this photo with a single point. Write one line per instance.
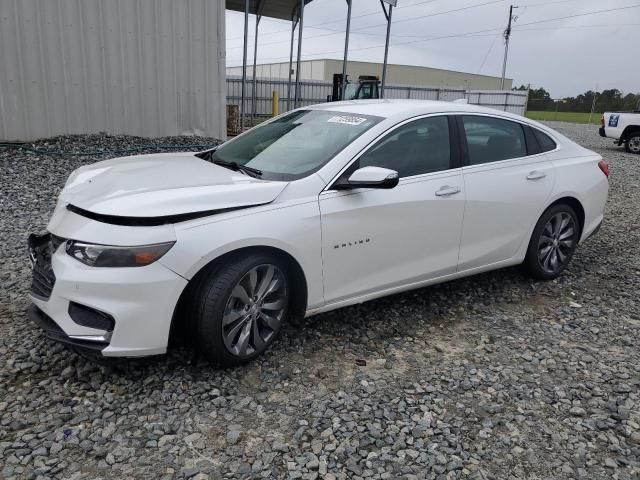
(275, 103)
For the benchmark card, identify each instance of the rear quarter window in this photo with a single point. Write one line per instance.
(545, 141)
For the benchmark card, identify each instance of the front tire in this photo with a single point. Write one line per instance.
(241, 308)
(632, 143)
(553, 242)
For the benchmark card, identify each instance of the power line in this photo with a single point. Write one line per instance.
(580, 15)
(424, 39)
(384, 24)
(576, 26)
(470, 34)
(315, 25)
(469, 7)
(548, 3)
(484, 60)
(507, 32)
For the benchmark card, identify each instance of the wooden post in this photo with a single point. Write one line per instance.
(275, 103)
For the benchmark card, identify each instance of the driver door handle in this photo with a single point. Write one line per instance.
(447, 190)
(536, 175)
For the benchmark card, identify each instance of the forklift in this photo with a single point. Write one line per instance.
(365, 88)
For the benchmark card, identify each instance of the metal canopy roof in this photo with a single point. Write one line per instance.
(282, 9)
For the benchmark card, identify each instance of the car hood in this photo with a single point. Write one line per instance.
(162, 185)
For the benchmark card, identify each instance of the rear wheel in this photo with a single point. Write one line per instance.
(632, 143)
(553, 242)
(242, 305)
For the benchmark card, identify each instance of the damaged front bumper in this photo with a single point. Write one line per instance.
(116, 311)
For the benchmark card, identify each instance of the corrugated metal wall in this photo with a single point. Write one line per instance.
(140, 67)
(312, 92)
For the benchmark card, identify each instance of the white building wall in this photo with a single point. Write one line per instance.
(143, 67)
(310, 70)
(323, 70)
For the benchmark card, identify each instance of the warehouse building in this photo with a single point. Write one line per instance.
(323, 70)
(145, 67)
(149, 68)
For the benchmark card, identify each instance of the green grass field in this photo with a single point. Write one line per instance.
(573, 117)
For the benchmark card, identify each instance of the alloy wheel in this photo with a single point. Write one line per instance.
(557, 242)
(255, 309)
(634, 144)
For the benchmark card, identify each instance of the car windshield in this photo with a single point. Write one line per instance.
(296, 144)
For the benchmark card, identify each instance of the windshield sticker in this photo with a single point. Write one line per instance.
(347, 119)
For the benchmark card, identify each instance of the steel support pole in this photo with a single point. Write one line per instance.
(386, 51)
(255, 58)
(244, 63)
(346, 52)
(293, 29)
(300, 21)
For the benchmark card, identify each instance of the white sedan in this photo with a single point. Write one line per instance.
(319, 208)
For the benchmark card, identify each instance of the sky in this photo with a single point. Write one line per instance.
(567, 56)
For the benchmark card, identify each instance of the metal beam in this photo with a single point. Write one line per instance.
(255, 59)
(280, 9)
(244, 63)
(386, 45)
(300, 22)
(293, 29)
(346, 51)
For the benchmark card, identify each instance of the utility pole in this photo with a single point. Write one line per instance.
(593, 104)
(507, 34)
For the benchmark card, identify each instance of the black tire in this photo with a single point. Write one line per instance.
(547, 244)
(632, 143)
(217, 302)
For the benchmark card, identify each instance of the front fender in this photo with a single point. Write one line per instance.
(293, 229)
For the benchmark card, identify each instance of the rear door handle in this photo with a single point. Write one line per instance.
(536, 175)
(447, 190)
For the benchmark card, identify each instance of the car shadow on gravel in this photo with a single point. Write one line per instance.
(365, 326)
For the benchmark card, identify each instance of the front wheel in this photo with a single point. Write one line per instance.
(553, 242)
(632, 143)
(242, 306)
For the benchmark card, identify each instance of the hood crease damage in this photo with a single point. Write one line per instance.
(160, 189)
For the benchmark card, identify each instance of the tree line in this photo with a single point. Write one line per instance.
(605, 101)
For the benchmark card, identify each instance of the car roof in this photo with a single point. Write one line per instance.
(408, 108)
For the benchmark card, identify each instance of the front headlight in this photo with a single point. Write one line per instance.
(113, 256)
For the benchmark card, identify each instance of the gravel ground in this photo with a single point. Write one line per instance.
(494, 376)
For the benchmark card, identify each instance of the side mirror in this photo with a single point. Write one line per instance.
(371, 177)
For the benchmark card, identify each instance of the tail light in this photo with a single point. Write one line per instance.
(604, 166)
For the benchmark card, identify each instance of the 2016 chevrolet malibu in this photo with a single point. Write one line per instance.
(319, 208)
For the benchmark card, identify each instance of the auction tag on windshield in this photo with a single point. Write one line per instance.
(348, 119)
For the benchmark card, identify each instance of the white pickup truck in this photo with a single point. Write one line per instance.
(624, 127)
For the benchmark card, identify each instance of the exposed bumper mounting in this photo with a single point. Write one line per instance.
(54, 332)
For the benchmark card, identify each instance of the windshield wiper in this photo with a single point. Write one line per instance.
(236, 167)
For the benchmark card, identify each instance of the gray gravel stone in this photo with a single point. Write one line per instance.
(490, 377)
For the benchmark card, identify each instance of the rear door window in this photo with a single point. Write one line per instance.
(491, 139)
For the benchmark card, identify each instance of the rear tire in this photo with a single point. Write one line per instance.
(241, 306)
(553, 242)
(632, 143)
